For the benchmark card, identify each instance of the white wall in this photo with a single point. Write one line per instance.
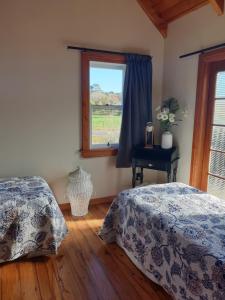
(40, 111)
(197, 30)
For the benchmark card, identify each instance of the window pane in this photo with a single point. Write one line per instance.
(217, 163)
(106, 123)
(219, 112)
(218, 138)
(216, 187)
(220, 85)
(106, 86)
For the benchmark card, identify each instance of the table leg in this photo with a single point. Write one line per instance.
(134, 177)
(174, 174)
(168, 176)
(142, 176)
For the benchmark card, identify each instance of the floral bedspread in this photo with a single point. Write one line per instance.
(175, 234)
(31, 222)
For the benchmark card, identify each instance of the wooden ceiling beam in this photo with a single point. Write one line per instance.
(182, 8)
(162, 12)
(148, 8)
(218, 6)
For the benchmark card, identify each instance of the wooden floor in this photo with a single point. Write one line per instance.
(85, 268)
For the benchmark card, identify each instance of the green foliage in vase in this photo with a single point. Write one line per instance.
(167, 114)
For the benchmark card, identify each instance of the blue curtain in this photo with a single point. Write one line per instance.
(137, 106)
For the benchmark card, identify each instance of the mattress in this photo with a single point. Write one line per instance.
(31, 223)
(175, 234)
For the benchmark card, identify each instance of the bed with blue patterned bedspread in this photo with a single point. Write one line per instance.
(175, 234)
(31, 223)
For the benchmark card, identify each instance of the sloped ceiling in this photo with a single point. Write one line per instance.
(162, 12)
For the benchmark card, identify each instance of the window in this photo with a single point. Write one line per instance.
(208, 151)
(102, 94)
(216, 168)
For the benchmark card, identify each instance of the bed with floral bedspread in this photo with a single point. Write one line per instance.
(175, 234)
(31, 223)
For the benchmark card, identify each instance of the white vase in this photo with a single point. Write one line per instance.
(79, 191)
(167, 140)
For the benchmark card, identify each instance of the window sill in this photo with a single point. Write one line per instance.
(98, 152)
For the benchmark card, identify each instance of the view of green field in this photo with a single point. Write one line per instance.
(105, 105)
(105, 128)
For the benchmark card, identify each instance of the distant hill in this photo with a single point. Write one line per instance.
(100, 97)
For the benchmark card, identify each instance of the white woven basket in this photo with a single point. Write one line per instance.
(79, 191)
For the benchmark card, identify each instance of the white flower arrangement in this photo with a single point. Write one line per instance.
(167, 113)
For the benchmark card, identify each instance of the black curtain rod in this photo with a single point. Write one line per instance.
(101, 51)
(203, 50)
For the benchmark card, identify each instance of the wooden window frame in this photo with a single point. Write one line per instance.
(208, 65)
(86, 57)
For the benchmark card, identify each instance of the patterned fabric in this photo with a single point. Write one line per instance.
(31, 222)
(175, 234)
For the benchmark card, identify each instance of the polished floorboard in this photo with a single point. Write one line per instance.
(84, 269)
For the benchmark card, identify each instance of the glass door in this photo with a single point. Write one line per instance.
(214, 160)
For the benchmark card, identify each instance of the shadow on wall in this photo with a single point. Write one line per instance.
(58, 186)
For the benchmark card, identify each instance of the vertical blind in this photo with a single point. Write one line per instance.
(216, 175)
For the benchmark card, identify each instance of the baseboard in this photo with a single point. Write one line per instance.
(103, 200)
(94, 201)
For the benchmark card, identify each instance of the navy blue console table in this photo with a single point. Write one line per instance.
(154, 158)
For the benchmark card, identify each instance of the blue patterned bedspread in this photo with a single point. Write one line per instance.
(175, 234)
(31, 222)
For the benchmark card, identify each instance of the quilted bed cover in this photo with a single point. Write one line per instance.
(31, 223)
(175, 234)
